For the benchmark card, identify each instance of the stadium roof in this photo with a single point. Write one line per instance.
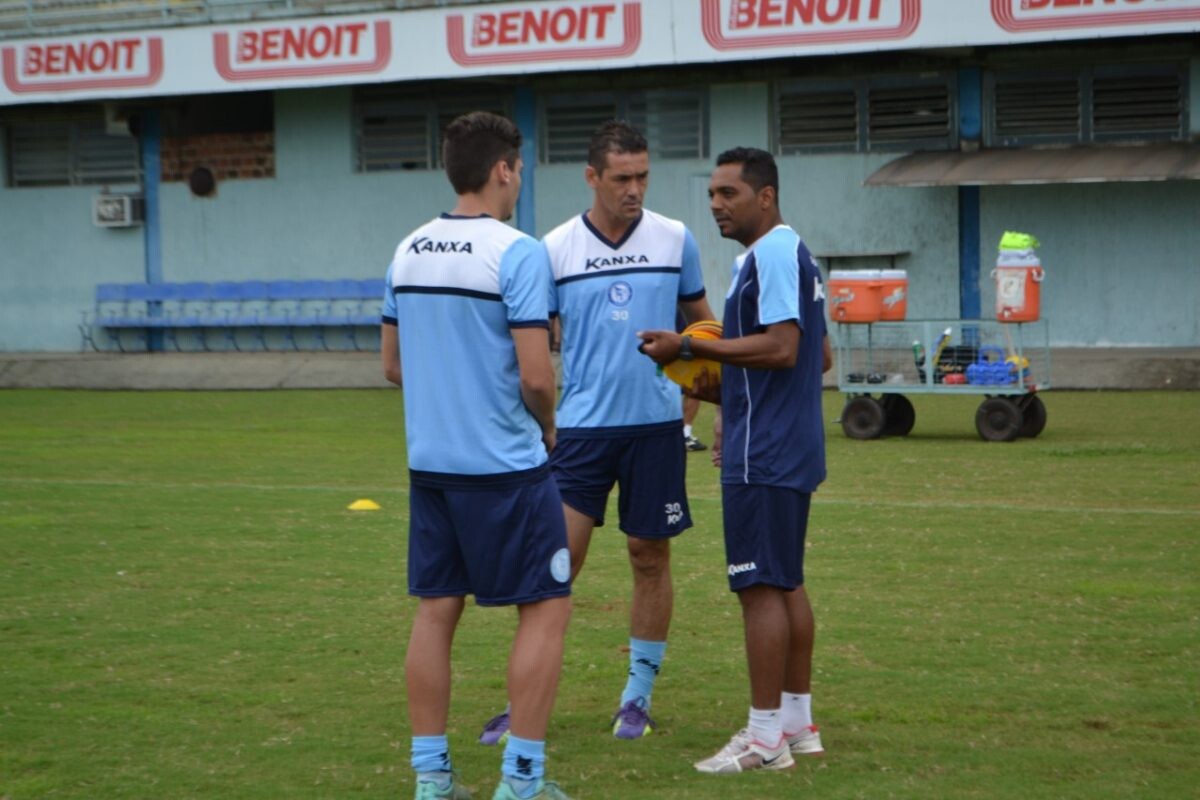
(38, 17)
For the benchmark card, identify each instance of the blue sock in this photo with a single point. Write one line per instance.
(645, 658)
(524, 765)
(430, 754)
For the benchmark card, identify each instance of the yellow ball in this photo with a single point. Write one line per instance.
(685, 373)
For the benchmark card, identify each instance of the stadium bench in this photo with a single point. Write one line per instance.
(253, 308)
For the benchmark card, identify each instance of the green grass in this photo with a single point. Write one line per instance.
(187, 610)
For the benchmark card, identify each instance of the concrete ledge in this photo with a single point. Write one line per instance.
(1073, 368)
(191, 371)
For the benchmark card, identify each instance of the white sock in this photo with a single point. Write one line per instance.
(796, 712)
(687, 431)
(766, 725)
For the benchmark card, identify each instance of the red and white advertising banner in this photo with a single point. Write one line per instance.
(547, 32)
(83, 64)
(758, 24)
(541, 36)
(302, 48)
(1021, 16)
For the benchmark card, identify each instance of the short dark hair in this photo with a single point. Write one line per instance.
(758, 167)
(472, 145)
(614, 136)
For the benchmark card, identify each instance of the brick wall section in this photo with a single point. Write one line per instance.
(228, 155)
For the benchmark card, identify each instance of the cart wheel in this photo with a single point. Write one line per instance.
(998, 419)
(898, 414)
(862, 417)
(1033, 415)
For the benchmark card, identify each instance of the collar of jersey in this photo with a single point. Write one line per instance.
(765, 235)
(445, 215)
(624, 237)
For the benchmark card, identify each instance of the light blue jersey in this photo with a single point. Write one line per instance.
(605, 293)
(459, 284)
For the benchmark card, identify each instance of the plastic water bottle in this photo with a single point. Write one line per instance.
(918, 353)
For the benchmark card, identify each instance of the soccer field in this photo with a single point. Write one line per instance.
(188, 610)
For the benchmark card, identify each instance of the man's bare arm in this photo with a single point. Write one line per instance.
(774, 348)
(389, 353)
(537, 378)
(696, 310)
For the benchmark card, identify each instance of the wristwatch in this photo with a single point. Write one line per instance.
(685, 349)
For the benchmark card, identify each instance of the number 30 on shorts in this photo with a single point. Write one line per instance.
(674, 512)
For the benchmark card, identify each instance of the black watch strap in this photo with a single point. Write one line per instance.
(685, 349)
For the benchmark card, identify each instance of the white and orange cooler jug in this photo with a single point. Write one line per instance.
(1019, 277)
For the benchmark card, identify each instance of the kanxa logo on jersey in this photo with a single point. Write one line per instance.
(96, 62)
(423, 244)
(614, 261)
(734, 24)
(545, 32)
(302, 49)
(1043, 15)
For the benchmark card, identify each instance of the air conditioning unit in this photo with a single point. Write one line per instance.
(117, 210)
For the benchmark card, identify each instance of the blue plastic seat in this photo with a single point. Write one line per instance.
(287, 306)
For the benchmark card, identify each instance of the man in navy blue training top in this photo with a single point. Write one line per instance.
(771, 451)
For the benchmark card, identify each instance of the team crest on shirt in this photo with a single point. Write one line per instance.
(620, 293)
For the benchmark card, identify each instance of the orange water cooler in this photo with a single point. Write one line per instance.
(893, 291)
(855, 295)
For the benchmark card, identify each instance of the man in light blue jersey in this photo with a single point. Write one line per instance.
(619, 268)
(771, 452)
(465, 333)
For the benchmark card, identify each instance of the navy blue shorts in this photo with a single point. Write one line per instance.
(650, 469)
(506, 546)
(765, 528)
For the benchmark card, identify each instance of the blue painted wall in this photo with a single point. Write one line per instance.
(1122, 261)
(51, 258)
(316, 219)
(1121, 258)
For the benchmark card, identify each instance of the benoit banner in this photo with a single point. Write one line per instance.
(542, 36)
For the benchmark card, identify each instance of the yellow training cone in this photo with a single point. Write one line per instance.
(363, 505)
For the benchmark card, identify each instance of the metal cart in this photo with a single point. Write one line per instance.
(879, 363)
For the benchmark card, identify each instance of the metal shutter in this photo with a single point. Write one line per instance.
(391, 130)
(101, 158)
(816, 119)
(1032, 109)
(568, 123)
(1138, 106)
(39, 154)
(909, 117)
(69, 149)
(397, 129)
(673, 123)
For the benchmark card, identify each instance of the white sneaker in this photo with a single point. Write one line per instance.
(744, 753)
(805, 743)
